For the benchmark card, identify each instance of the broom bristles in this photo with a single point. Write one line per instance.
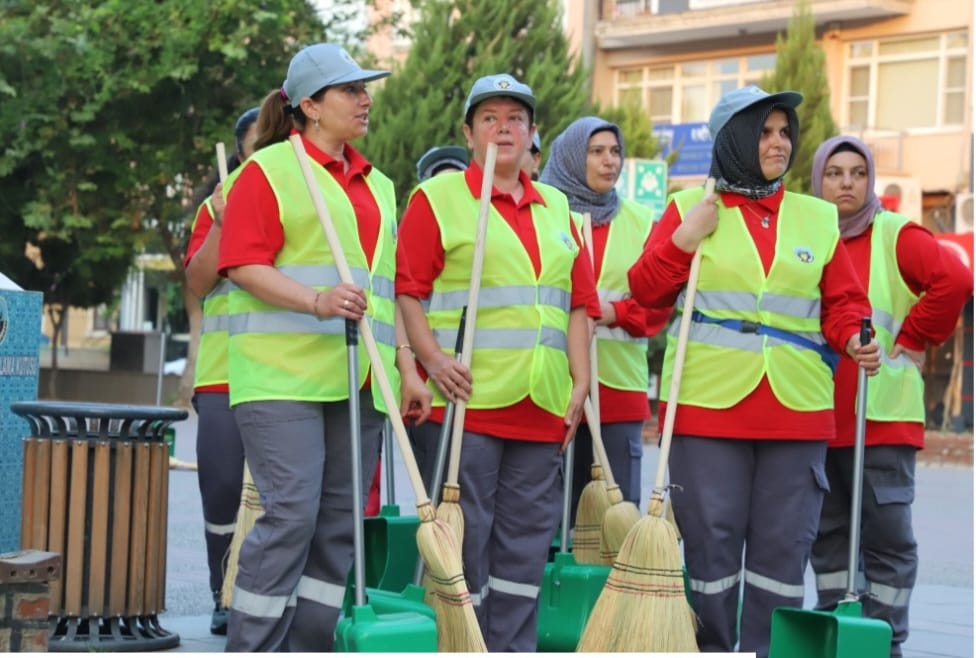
(457, 626)
(620, 517)
(248, 513)
(643, 607)
(590, 509)
(449, 510)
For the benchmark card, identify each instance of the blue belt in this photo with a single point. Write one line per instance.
(829, 356)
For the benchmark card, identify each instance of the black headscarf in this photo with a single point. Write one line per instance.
(735, 155)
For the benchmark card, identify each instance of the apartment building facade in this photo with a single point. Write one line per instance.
(899, 71)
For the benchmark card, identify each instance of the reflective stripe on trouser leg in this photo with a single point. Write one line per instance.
(511, 499)
(286, 453)
(786, 494)
(220, 467)
(828, 555)
(712, 514)
(323, 582)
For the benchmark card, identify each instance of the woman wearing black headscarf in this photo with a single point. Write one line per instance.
(777, 296)
(584, 163)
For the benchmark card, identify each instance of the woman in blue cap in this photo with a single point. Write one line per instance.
(220, 453)
(777, 300)
(529, 368)
(288, 363)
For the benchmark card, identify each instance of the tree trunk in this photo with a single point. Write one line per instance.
(56, 313)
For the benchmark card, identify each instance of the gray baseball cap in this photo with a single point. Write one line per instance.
(739, 99)
(323, 65)
(439, 157)
(500, 84)
(537, 142)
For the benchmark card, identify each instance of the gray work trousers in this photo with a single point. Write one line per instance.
(220, 471)
(622, 442)
(889, 554)
(294, 563)
(747, 510)
(511, 498)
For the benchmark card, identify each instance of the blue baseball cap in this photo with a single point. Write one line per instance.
(739, 99)
(500, 84)
(323, 65)
(439, 157)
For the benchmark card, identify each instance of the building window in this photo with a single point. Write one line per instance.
(687, 92)
(907, 84)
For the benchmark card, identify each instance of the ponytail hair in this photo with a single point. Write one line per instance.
(277, 117)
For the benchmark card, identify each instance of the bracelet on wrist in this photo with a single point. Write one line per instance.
(403, 347)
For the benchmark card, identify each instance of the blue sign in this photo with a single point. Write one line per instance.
(693, 144)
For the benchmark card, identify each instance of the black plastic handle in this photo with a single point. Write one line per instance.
(459, 343)
(865, 331)
(352, 332)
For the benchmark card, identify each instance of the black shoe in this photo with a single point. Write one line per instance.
(219, 617)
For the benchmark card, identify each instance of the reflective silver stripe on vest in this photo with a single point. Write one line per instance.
(512, 339)
(786, 590)
(327, 594)
(714, 586)
(292, 322)
(886, 321)
(260, 605)
(890, 596)
(513, 588)
(832, 580)
(746, 302)
(498, 297)
(617, 333)
(607, 295)
(713, 334)
(222, 288)
(213, 323)
(328, 275)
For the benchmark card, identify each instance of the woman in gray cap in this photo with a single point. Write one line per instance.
(288, 382)
(777, 301)
(529, 373)
(584, 163)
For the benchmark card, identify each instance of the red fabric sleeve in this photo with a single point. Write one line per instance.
(584, 283)
(662, 269)
(252, 233)
(945, 281)
(420, 255)
(201, 226)
(843, 301)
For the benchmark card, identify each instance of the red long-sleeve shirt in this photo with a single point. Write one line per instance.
(420, 260)
(618, 406)
(662, 272)
(947, 284)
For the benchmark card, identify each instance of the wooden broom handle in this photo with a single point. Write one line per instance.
(221, 161)
(594, 364)
(599, 451)
(679, 360)
(379, 372)
(474, 290)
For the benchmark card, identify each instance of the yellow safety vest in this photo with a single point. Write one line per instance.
(898, 391)
(723, 365)
(622, 358)
(211, 366)
(520, 334)
(276, 354)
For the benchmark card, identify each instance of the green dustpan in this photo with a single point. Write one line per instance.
(363, 628)
(843, 632)
(569, 590)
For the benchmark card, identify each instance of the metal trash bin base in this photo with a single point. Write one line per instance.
(138, 633)
(96, 490)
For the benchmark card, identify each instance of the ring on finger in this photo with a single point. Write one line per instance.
(345, 303)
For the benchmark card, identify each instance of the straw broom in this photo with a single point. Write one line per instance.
(248, 513)
(621, 515)
(594, 500)
(643, 607)
(457, 626)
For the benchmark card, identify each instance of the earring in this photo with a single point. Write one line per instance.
(316, 124)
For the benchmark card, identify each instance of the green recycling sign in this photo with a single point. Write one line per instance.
(646, 182)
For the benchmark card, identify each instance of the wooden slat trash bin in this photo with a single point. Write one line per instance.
(96, 490)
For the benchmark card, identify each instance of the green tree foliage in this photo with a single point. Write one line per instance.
(636, 127)
(454, 43)
(800, 65)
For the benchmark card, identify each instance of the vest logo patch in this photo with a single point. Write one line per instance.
(393, 229)
(803, 254)
(568, 241)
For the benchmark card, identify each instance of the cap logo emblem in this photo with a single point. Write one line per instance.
(502, 84)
